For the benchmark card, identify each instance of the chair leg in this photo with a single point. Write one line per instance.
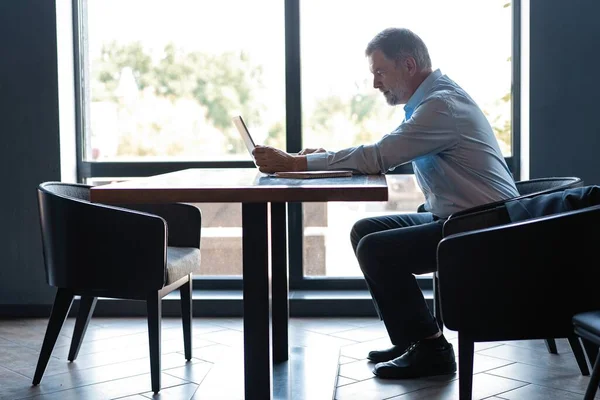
(153, 305)
(592, 388)
(466, 348)
(590, 349)
(579, 354)
(551, 346)
(87, 304)
(437, 307)
(60, 310)
(185, 292)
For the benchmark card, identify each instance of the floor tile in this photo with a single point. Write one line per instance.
(536, 392)
(555, 378)
(362, 334)
(179, 392)
(484, 386)
(346, 360)
(535, 357)
(344, 381)
(379, 389)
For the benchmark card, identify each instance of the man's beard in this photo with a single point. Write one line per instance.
(393, 97)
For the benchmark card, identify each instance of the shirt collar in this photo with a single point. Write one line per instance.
(418, 95)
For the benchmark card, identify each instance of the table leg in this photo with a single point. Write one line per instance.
(258, 383)
(279, 265)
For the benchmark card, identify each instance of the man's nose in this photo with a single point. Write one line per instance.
(376, 83)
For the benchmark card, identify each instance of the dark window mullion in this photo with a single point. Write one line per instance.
(79, 52)
(516, 89)
(293, 133)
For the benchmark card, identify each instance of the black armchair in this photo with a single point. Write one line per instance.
(516, 281)
(481, 219)
(95, 250)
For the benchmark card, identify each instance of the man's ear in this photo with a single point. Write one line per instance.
(411, 65)
(408, 64)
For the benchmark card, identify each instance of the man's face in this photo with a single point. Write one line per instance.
(390, 78)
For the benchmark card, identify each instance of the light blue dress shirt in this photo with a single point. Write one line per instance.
(455, 156)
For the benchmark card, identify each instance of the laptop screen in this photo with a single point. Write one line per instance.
(243, 130)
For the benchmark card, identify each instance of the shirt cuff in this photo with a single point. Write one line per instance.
(316, 161)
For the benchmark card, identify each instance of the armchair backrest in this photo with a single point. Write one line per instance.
(547, 185)
(493, 214)
(98, 247)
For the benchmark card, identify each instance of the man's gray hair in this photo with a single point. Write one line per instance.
(398, 44)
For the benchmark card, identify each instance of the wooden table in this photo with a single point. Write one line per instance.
(264, 200)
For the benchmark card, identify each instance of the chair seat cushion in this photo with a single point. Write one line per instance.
(182, 261)
(587, 324)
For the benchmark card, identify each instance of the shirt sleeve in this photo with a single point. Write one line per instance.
(430, 130)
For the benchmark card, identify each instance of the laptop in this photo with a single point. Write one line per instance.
(239, 123)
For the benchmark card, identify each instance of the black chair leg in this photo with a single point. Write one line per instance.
(153, 304)
(551, 346)
(579, 354)
(185, 292)
(60, 310)
(590, 349)
(592, 388)
(437, 307)
(87, 305)
(466, 348)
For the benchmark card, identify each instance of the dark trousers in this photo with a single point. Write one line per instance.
(390, 250)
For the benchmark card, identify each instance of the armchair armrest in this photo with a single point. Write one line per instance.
(520, 278)
(184, 221)
(100, 247)
(484, 218)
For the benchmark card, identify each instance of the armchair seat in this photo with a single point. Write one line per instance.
(181, 261)
(587, 325)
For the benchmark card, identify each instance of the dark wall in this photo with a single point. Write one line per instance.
(30, 147)
(565, 89)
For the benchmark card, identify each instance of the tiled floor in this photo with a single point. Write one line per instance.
(113, 363)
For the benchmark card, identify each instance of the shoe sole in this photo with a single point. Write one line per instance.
(435, 370)
(381, 359)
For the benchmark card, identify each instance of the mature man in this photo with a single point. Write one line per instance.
(457, 163)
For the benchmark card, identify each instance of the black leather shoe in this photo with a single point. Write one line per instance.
(418, 361)
(387, 354)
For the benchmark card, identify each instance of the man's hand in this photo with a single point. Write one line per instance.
(311, 151)
(271, 160)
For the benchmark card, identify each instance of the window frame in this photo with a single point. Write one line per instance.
(297, 280)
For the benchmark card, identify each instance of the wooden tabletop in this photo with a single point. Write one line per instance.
(247, 185)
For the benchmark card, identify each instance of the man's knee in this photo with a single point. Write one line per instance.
(366, 254)
(358, 232)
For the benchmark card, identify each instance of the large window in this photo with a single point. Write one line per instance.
(160, 81)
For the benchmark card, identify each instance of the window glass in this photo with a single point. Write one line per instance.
(165, 78)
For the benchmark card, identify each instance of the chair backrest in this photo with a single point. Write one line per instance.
(68, 190)
(547, 185)
(91, 246)
(529, 188)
